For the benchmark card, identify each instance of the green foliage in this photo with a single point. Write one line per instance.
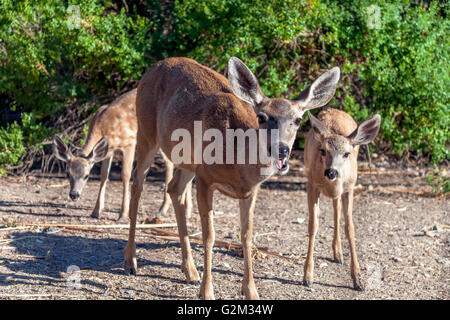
(85, 134)
(397, 66)
(49, 64)
(46, 65)
(438, 181)
(14, 138)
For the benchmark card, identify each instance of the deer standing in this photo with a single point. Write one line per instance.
(173, 94)
(331, 153)
(113, 128)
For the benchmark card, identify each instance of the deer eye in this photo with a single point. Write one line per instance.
(297, 121)
(346, 155)
(322, 152)
(262, 117)
(85, 177)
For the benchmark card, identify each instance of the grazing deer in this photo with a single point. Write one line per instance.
(113, 128)
(176, 92)
(331, 152)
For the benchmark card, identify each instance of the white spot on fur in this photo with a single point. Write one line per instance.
(129, 132)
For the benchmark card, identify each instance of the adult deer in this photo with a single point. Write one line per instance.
(177, 92)
(331, 152)
(112, 129)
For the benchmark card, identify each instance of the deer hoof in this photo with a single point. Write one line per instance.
(307, 283)
(122, 220)
(130, 266)
(95, 214)
(160, 213)
(339, 260)
(357, 284)
(130, 271)
(206, 296)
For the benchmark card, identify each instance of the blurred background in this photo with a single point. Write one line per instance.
(61, 60)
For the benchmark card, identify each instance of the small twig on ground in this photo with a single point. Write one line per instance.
(225, 244)
(14, 228)
(386, 172)
(58, 185)
(99, 226)
(18, 239)
(396, 189)
(445, 226)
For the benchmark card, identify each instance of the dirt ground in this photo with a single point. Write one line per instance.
(402, 242)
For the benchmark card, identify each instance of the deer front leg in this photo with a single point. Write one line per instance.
(204, 201)
(143, 161)
(169, 175)
(177, 190)
(247, 207)
(127, 166)
(99, 205)
(337, 246)
(347, 201)
(313, 225)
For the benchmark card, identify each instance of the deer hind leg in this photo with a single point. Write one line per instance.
(177, 191)
(144, 157)
(204, 201)
(247, 207)
(313, 207)
(169, 175)
(337, 246)
(347, 201)
(99, 205)
(127, 166)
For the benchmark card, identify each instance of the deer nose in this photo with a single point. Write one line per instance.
(74, 195)
(331, 174)
(283, 152)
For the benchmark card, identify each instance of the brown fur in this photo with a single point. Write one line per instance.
(334, 141)
(116, 121)
(173, 94)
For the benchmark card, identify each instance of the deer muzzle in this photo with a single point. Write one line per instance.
(331, 174)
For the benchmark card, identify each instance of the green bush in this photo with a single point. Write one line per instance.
(397, 67)
(46, 64)
(14, 138)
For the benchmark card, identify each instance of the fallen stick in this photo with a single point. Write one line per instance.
(445, 226)
(18, 239)
(58, 185)
(81, 229)
(385, 172)
(15, 228)
(396, 189)
(98, 226)
(224, 244)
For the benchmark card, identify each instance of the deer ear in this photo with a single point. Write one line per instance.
(366, 131)
(60, 149)
(320, 92)
(100, 150)
(319, 129)
(243, 82)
